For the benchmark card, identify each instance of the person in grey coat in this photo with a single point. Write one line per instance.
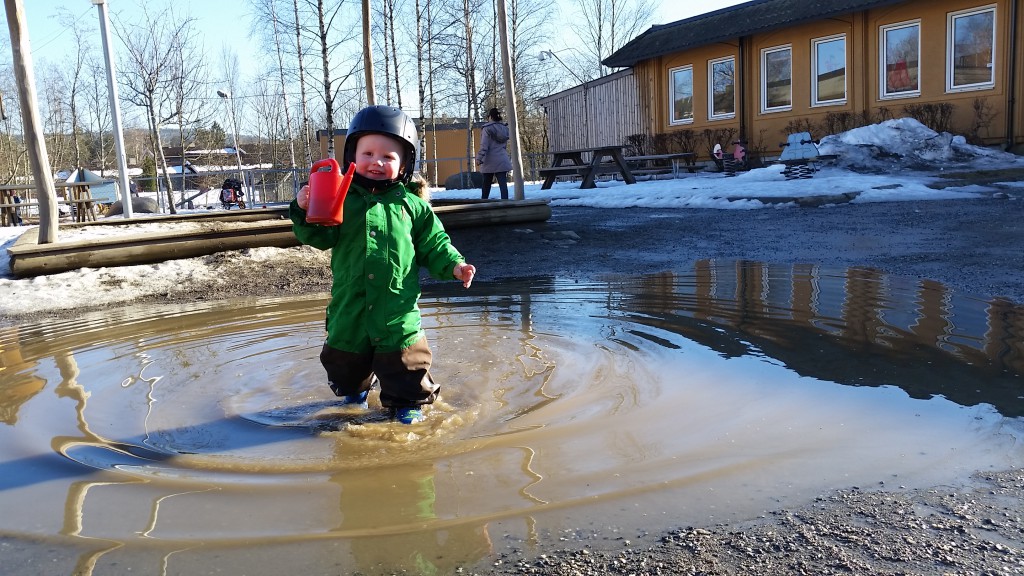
(492, 160)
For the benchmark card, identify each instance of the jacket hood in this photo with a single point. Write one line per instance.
(497, 131)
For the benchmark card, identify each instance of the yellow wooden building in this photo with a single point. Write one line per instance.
(768, 67)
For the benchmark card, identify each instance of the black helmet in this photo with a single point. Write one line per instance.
(383, 120)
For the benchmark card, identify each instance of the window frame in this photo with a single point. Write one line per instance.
(951, 19)
(765, 108)
(672, 120)
(711, 88)
(883, 68)
(815, 42)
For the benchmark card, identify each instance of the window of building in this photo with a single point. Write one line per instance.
(776, 79)
(901, 60)
(970, 49)
(681, 98)
(722, 88)
(828, 70)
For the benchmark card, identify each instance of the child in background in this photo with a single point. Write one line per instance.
(388, 231)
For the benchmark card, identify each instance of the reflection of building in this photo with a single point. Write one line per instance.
(856, 327)
(418, 543)
(18, 379)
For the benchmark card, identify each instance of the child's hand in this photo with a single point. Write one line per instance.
(465, 272)
(303, 197)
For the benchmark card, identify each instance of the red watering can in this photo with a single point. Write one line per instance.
(327, 190)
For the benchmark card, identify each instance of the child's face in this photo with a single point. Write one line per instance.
(378, 157)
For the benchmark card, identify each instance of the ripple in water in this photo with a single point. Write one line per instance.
(172, 436)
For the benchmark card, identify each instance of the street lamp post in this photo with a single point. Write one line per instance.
(115, 110)
(234, 132)
(545, 55)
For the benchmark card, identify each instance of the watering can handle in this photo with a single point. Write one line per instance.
(325, 163)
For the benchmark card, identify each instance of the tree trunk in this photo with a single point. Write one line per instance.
(470, 86)
(394, 52)
(384, 18)
(328, 96)
(420, 88)
(306, 137)
(284, 91)
(158, 150)
(371, 97)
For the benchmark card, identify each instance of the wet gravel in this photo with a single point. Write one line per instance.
(975, 529)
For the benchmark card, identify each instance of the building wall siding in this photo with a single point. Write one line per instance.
(601, 112)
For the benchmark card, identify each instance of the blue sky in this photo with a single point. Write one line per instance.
(51, 41)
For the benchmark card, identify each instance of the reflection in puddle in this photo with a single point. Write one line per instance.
(161, 438)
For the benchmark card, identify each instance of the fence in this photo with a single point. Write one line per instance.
(459, 168)
(261, 186)
(278, 186)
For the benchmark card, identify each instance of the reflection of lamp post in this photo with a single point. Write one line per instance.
(234, 131)
(545, 55)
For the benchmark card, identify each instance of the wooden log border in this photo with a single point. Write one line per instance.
(226, 231)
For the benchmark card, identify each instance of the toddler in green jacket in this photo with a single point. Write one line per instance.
(388, 232)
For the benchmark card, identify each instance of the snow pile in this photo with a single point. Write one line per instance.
(905, 143)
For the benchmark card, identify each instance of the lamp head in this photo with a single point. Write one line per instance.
(223, 94)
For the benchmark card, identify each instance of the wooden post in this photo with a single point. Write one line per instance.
(510, 103)
(371, 94)
(33, 127)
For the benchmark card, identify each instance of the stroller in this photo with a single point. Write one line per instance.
(231, 194)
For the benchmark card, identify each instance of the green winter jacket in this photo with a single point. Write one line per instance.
(377, 251)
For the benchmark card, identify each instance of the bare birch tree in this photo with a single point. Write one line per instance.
(325, 63)
(306, 136)
(191, 71)
(605, 25)
(284, 86)
(330, 35)
(390, 32)
(151, 73)
(472, 110)
(13, 153)
(270, 27)
(97, 114)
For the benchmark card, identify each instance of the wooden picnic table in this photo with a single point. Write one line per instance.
(75, 194)
(9, 209)
(603, 160)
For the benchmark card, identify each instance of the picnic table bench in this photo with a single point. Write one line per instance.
(654, 163)
(603, 160)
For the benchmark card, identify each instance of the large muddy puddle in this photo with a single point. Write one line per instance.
(199, 439)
